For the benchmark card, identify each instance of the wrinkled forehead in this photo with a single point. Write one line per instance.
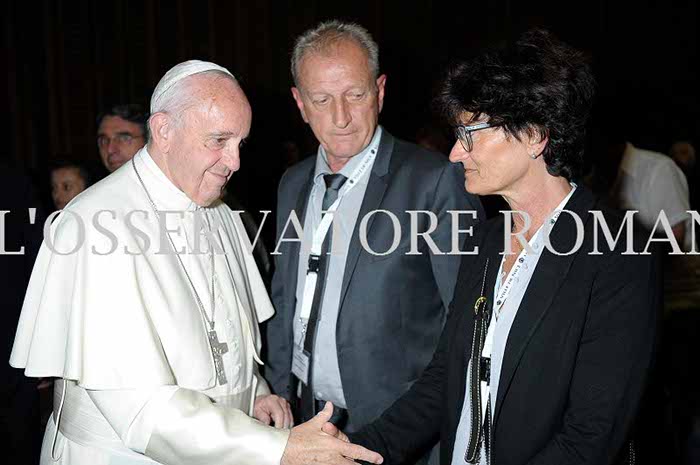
(343, 57)
(217, 100)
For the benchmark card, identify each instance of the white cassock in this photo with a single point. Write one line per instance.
(123, 331)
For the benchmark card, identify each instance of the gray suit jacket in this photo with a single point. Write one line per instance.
(393, 307)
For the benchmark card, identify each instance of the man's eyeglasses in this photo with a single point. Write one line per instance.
(122, 138)
(464, 134)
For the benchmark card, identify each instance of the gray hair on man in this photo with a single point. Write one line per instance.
(172, 94)
(328, 34)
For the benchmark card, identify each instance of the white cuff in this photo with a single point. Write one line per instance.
(191, 430)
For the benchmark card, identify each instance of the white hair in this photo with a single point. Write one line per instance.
(327, 34)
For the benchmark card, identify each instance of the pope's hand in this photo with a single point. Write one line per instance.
(272, 408)
(309, 444)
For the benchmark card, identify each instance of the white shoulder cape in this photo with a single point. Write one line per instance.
(120, 320)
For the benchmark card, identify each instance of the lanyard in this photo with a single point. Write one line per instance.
(504, 291)
(480, 433)
(320, 233)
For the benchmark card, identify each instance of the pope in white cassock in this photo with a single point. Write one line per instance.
(156, 352)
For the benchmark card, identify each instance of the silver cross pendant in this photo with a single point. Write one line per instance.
(218, 349)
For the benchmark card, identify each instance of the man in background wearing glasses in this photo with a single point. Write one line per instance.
(121, 132)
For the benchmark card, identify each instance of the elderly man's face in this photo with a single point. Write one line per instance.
(339, 98)
(118, 141)
(204, 152)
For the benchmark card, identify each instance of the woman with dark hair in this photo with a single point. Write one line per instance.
(550, 337)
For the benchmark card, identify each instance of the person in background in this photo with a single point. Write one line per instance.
(630, 178)
(121, 132)
(652, 182)
(68, 179)
(683, 153)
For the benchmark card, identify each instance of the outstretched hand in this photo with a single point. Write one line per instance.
(330, 428)
(316, 442)
(273, 409)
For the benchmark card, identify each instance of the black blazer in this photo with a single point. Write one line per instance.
(575, 363)
(392, 307)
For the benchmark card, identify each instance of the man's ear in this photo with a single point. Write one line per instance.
(161, 131)
(296, 93)
(381, 83)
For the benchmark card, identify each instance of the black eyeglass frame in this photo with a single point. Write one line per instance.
(463, 133)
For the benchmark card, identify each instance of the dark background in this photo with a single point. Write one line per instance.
(67, 60)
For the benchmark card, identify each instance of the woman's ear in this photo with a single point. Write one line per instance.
(537, 141)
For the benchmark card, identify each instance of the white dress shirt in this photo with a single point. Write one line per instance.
(325, 371)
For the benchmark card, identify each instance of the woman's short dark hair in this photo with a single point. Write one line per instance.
(536, 86)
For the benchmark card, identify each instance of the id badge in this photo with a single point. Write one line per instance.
(300, 364)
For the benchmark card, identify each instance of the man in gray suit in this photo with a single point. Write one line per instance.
(365, 331)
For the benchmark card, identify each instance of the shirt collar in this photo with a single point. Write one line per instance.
(322, 167)
(162, 191)
(536, 241)
(564, 201)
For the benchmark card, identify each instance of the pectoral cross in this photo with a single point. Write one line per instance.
(218, 349)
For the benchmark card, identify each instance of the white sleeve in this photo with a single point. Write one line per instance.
(261, 386)
(176, 426)
(668, 191)
(133, 413)
(192, 430)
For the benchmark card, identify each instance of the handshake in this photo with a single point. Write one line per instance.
(318, 441)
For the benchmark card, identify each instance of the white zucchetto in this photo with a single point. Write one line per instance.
(179, 72)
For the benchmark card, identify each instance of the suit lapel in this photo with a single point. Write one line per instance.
(374, 194)
(549, 275)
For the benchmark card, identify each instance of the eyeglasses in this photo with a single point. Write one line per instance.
(122, 138)
(464, 134)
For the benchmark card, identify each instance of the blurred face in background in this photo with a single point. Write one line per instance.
(683, 153)
(118, 141)
(66, 183)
